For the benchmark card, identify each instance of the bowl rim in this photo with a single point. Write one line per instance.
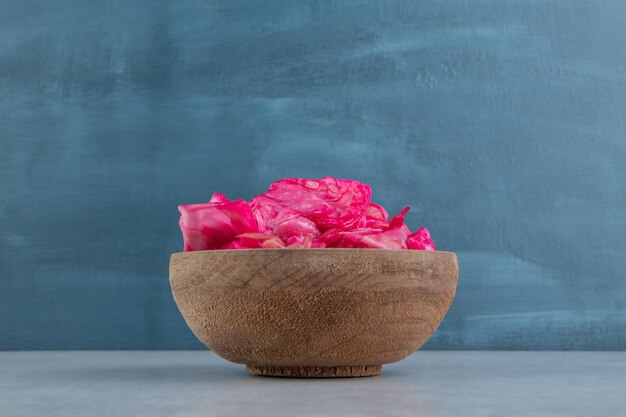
(265, 250)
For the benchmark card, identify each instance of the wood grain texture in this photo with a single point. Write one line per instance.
(313, 308)
(316, 371)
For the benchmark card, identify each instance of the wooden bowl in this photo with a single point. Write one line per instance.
(313, 312)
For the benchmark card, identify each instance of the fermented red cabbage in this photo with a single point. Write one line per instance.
(299, 213)
(215, 224)
(328, 202)
(420, 240)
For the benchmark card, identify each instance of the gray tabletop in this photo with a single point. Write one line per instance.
(184, 383)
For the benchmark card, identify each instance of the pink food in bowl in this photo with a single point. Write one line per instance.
(299, 213)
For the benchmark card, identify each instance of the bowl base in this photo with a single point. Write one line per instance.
(316, 371)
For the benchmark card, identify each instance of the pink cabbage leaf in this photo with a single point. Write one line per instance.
(215, 224)
(299, 213)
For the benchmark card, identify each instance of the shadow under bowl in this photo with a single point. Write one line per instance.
(313, 312)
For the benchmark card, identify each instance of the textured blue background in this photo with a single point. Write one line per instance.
(501, 122)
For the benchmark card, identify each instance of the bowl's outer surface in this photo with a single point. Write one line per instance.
(313, 307)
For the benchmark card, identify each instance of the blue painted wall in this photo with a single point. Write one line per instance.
(501, 122)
